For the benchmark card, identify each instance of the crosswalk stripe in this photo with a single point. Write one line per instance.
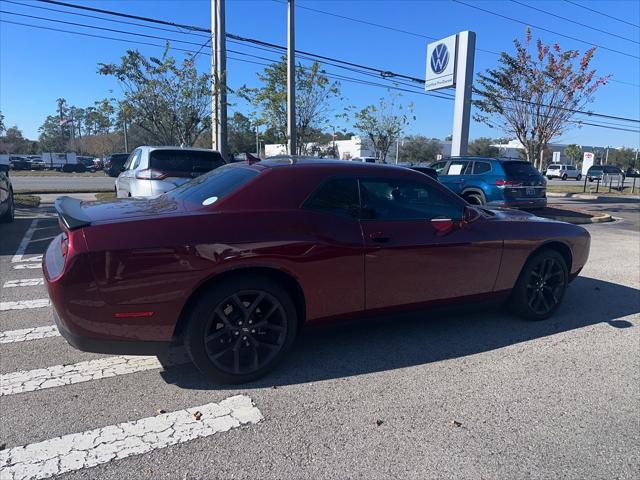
(24, 304)
(25, 242)
(61, 375)
(26, 266)
(23, 282)
(26, 334)
(87, 449)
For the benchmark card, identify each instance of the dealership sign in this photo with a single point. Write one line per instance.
(587, 162)
(441, 63)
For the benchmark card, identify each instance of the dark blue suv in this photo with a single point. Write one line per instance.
(493, 181)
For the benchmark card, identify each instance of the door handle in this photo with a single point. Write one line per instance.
(379, 237)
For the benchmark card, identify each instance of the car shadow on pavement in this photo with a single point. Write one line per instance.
(419, 338)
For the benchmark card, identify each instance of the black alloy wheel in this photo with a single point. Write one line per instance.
(541, 286)
(241, 329)
(545, 286)
(245, 332)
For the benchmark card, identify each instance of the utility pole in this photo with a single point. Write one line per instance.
(214, 79)
(257, 141)
(126, 138)
(221, 73)
(291, 79)
(606, 158)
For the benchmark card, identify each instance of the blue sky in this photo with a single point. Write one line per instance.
(38, 66)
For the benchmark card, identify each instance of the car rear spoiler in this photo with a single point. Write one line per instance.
(71, 213)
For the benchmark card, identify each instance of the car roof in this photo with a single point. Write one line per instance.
(496, 159)
(292, 161)
(190, 149)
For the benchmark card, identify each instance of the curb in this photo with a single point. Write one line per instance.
(587, 196)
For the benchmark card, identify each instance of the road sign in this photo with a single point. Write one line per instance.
(441, 63)
(587, 162)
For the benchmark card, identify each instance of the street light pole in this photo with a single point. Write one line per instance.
(291, 79)
(221, 73)
(214, 79)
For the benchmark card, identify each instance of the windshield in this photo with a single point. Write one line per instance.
(554, 167)
(519, 169)
(596, 168)
(211, 187)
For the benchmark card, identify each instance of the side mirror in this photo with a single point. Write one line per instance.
(470, 214)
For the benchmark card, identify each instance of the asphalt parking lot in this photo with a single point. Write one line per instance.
(478, 394)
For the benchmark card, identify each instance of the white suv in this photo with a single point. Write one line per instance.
(557, 170)
(151, 171)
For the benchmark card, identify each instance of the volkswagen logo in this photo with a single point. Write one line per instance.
(439, 58)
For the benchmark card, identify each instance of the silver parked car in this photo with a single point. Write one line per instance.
(151, 171)
(559, 170)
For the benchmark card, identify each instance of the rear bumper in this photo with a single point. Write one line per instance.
(113, 347)
(520, 203)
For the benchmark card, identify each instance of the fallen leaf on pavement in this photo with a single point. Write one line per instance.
(455, 423)
(197, 415)
(379, 422)
(160, 411)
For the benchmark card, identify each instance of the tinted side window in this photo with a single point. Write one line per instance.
(337, 197)
(459, 167)
(185, 161)
(481, 167)
(405, 200)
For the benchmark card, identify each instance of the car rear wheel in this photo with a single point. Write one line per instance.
(241, 330)
(474, 198)
(540, 287)
(8, 216)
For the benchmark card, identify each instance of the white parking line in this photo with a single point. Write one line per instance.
(28, 235)
(24, 266)
(61, 375)
(24, 304)
(26, 334)
(87, 449)
(24, 282)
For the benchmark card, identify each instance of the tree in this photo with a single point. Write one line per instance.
(14, 142)
(241, 134)
(482, 147)
(533, 95)
(314, 95)
(418, 148)
(2, 126)
(574, 153)
(381, 124)
(170, 101)
(622, 157)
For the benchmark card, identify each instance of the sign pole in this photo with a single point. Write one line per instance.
(464, 83)
(291, 79)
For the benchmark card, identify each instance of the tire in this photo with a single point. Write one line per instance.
(475, 198)
(549, 178)
(564, 177)
(578, 178)
(219, 317)
(537, 297)
(9, 215)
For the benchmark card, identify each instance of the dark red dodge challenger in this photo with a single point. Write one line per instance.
(232, 263)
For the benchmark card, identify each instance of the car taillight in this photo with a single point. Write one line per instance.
(151, 174)
(64, 244)
(501, 182)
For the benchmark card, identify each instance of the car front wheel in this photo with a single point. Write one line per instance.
(579, 177)
(241, 329)
(541, 286)
(564, 177)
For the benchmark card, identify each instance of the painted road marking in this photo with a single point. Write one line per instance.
(26, 334)
(87, 449)
(25, 266)
(24, 304)
(24, 282)
(60, 375)
(28, 235)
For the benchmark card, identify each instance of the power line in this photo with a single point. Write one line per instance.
(591, 27)
(529, 24)
(602, 13)
(383, 73)
(328, 74)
